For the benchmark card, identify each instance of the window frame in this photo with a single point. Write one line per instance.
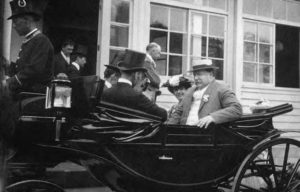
(272, 54)
(118, 24)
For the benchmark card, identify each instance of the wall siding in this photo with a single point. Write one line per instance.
(287, 122)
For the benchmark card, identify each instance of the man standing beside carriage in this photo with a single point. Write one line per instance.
(33, 68)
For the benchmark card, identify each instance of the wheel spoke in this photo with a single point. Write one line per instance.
(262, 174)
(283, 173)
(271, 160)
(293, 173)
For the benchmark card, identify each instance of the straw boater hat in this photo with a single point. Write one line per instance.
(27, 7)
(133, 61)
(203, 64)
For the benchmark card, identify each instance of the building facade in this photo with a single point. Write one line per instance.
(255, 43)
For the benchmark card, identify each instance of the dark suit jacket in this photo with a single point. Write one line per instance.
(222, 105)
(34, 65)
(60, 64)
(124, 95)
(72, 71)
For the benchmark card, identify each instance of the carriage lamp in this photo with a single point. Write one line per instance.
(59, 94)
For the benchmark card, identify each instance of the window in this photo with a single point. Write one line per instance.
(207, 39)
(258, 52)
(119, 26)
(287, 56)
(168, 28)
(217, 4)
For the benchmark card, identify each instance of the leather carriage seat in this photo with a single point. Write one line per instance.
(255, 120)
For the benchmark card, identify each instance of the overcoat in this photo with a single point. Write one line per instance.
(124, 95)
(218, 101)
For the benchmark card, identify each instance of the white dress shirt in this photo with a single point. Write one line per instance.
(122, 80)
(76, 65)
(65, 57)
(193, 114)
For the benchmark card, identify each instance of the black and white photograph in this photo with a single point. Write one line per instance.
(150, 96)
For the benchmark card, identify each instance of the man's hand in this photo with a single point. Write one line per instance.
(205, 122)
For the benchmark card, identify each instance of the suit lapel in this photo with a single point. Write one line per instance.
(207, 92)
(189, 100)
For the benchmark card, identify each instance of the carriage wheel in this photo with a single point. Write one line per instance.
(273, 166)
(34, 186)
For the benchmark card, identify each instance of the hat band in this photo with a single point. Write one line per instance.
(199, 67)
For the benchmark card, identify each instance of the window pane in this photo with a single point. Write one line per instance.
(250, 31)
(199, 24)
(175, 65)
(279, 11)
(178, 43)
(293, 11)
(219, 4)
(119, 36)
(178, 20)
(120, 11)
(112, 54)
(216, 26)
(249, 74)
(265, 53)
(265, 33)
(160, 37)
(161, 65)
(159, 17)
(215, 47)
(265, 8)
(219, 72)
(198, 46)
(265, 74)
(249, 6)
(250, 51)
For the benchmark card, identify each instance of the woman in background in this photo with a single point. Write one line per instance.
(177, 85)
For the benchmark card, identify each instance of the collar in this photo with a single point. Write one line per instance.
(30, 33)
(151, 59)
(122, 80)
(108, 84)
(76, 65)
(67, 58)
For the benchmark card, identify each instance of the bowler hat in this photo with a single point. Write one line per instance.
(203, 64)
(133, 61)
(27, 7)
(80, 50)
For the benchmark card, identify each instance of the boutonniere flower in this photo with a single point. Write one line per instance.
(205, 98)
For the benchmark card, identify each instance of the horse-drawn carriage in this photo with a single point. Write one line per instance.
(129, 150)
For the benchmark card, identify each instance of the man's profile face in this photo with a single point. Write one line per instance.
(155, 52)
(20, 24)
(81, 61)
(68, 49)
(202, 78)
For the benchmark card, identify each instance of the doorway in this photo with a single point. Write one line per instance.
(76, 20)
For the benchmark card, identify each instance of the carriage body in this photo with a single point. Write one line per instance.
(137, 152)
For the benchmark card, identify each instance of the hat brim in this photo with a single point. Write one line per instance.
(132, 69)
(111, 67)
(204, 68)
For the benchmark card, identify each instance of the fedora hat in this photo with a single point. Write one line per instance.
(80, 50)
(27, 7)
(203, 64)
(132, 61)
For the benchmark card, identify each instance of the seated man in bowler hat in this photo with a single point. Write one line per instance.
(208, 101)
(124, 94)
(80, 54)
(33, 68)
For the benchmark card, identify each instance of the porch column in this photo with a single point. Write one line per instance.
(6, 29)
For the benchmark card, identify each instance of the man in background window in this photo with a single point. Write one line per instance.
(80, 54)
(62, 59)
(152, 53)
